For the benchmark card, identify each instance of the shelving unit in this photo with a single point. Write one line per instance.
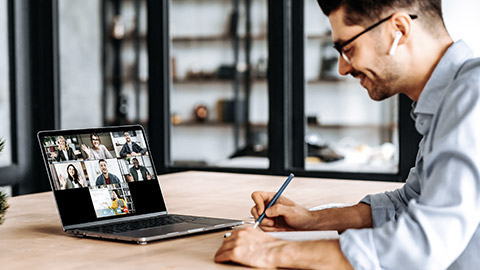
(213, 62)
(123, 65)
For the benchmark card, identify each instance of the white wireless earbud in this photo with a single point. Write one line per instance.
(398, 36)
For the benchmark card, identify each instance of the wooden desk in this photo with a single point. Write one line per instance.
(32, 237)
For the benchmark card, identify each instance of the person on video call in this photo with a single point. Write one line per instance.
(117, 202)
(130, 149)
(432, 222)
(138, 172)
(64, 152)
(106, 178)
(98, 151)
(73, 180)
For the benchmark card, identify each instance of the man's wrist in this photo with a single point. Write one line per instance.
(309, 254)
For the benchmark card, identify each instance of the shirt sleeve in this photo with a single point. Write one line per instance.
(437, 226)
(389, 205)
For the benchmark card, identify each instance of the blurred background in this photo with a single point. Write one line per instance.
(218, 83)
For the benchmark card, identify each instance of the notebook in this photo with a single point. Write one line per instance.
(105, 186)
(305, 235)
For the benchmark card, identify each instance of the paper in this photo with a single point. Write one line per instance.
(330, 205)
(305, 235)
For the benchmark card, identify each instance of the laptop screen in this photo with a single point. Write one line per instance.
(99, 174)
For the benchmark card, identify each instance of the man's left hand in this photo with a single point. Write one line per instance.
(250, 247)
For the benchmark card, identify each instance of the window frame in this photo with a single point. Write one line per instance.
(286, 127)
(34, 90)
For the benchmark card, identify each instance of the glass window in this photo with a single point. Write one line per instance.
(80, 63)
(347, 131)
(219, 97)
(5, 116)
(103, 63)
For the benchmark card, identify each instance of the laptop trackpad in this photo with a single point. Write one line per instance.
(162, 230)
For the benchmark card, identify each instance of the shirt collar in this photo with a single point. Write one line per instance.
(443, 74)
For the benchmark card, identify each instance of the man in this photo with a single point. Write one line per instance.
(105, 178)
(130, 148)
(139, 173)
(432, 222)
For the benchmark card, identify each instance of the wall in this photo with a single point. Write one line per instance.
(462, 22)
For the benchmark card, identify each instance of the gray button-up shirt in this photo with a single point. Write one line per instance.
(432, 222)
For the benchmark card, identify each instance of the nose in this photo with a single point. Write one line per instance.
(344, 68)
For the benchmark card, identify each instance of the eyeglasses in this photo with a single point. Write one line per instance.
(348, 56)
(96, 139)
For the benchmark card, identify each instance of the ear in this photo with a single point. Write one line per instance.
(401, 22)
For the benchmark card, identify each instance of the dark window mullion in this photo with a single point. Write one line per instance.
(298, 85)
(279, 85)
(158, 39)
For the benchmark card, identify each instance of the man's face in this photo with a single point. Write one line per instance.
(370, 61)
(103, 167)
(127, 136)
(135, 163)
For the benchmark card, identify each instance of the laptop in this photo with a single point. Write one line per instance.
(105, 186)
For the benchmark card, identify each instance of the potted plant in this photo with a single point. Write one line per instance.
(3, 196)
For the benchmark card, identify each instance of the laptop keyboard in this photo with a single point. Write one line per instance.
(134, 225)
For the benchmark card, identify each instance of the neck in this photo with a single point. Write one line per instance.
(427, 53)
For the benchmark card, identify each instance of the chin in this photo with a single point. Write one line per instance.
(379, 95)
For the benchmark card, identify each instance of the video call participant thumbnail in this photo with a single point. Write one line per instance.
(131, 148)
(106, 178)
(98, 150)
(64, 152)
(73, 179)
(139, 172)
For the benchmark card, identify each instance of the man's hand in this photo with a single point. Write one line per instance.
(284, 215)
(254, 248)
(249, 247)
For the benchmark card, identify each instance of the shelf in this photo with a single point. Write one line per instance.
(212, 38)
(192, 123)
(214, 81)
(265, 125)
(353, 126)
(226, 37)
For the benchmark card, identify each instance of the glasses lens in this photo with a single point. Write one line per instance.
(345, 57)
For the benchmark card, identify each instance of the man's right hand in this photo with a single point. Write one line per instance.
(284, 215)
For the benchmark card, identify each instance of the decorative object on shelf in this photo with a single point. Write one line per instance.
(200, 113)
(329, 63)
(176, 119)
(3, 197)
(118, 28)
(226, 72)
(317, 147)
(261, 68)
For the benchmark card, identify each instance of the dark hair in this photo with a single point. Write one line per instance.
(102, 160)
(75, 178)
(363, 12)
(96, 135)
(126, 132)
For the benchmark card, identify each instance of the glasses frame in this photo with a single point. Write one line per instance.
(340, 45)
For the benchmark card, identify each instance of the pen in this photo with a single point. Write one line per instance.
(274, 200)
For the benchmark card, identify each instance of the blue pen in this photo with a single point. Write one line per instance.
(274, 200)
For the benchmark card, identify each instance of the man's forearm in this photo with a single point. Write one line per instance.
(323, 254)
(340, 219)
